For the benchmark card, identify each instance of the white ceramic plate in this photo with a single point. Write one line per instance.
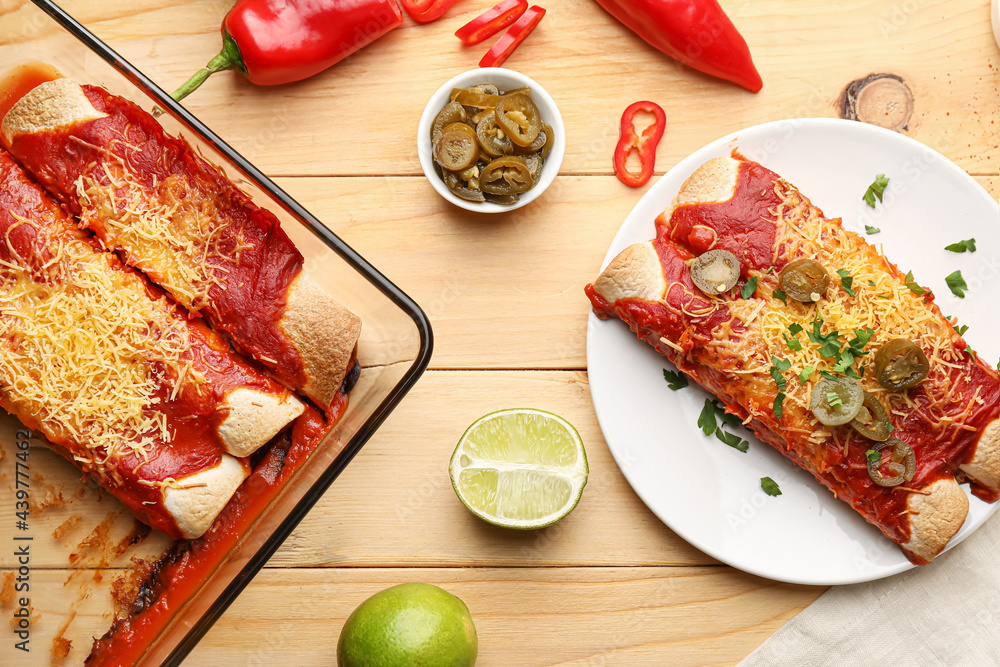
(709, 493)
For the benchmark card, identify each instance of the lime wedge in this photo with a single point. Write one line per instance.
(520, 468)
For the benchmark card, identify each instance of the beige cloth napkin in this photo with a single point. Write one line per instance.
(947, 613)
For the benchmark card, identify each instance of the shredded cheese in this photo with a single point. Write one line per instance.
(170, 229)
(85, 351)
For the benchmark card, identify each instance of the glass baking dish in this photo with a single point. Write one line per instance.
(76, 546)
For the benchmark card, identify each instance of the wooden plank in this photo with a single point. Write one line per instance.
(361, 117)
(394, 505)
(525, 617)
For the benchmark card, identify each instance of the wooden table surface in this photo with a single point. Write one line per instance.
(609, 585)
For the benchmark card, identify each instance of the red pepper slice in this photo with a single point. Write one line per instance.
(510, 40)
(425, 11)
(645, 143)
(695, 32)
(491, 21)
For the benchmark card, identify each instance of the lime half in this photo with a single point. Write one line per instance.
(520, 468)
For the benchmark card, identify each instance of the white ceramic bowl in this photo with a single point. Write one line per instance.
(504, 79)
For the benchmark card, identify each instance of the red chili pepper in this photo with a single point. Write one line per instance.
(425, 11)
(696, 32)
(645, 143)
(505, 46)
(491, 21)
(280, 41)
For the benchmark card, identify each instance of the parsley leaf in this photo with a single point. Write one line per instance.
(674, 380)
(706, 420)
(846, 280)
(769, 486)
(792, 343)
(780, 294)
(795, 328)
(871, 282)
(804, 375)
(872, 230)
(962, 246)
(876, 190)
(956, 283)
(844, 362)
(778, 401)
(960, 330)
(732, 440)
(857, 344)
(873, 456)
(914, 287)
(833, 399)
(747, 290)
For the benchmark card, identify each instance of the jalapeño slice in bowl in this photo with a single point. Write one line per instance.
(804, 280)
(872, 420)
(715, 271)
(518, 116)
(900, 364)
(836, 402)
(492, 137)
(508, 175)
(451, 113)
(899, 467)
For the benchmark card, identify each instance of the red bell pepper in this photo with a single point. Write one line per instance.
(425, 11)
(695, 32)
(510, 40)
(491, 21)
(280, 41)
(644, 144)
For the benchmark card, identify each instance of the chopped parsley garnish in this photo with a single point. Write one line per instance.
(872, 230)
(792, 343)
(846, 280)
(833, 398)
(779, 400)
(876, 190)
(777, 367)
(914, 287)
(733, 441)
(795, 328)
(873, 456)
(780, 295)
(960, 330)
(968, 245)
(674, 380)
(871, 282)
(769, 486)
(747, 290)
(956, 283)
(861, 338)
(804, 375)
(969, 351)
(844, 362)
(769, 270)
(706, 420)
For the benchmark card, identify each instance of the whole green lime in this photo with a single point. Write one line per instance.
(410, 625)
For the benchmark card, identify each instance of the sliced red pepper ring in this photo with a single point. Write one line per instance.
(491, 21)
(425, 11)
(510, 40)
(644, 144)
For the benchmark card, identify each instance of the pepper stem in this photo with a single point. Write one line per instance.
(228, 58)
